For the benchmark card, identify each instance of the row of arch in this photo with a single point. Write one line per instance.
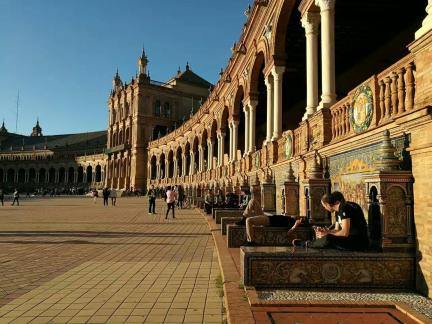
(120, 137)
(52, 175)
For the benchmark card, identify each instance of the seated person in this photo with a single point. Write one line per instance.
(219, 200)
(208, 202)
(253, 208)
(245, 198)
(350, 230)
(231, 200)
(274, 221)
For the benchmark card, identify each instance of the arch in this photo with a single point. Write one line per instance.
(42, 175)
(187, 157)
(1, 175)
(80, 176)
(195, 152)
(98, 175)
(239, 115)
(21, 175)
(203, 141)
(71, 174)
(153, 167)
(157, 108)
(10, 176)
(51, 175)
(283, 15)
(32, 175)
(170, 164)
(179, 152)
(257, 69)
(89, 174)
(162, 173)
(62, 175)
(167, 110)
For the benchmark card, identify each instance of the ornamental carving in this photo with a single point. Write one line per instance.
(396, 212)
(361, 110)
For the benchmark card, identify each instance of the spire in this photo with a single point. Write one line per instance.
(117, 82)
(3, 129)
(187, 66)
(37, 130)
(179, 71)
(143, 62)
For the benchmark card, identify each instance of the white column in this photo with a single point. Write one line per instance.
(234, 128)
(175, 171)
(269, 84)
(221, 140)
(183, 164)
(427, 22)
(230, 151)
(192, 162)
(252, 117)
(310, 22)
(210, 145)
(166, 174)
(277, 72)
(158, 172)
(328, 96)
(246, 112)
(201, 158)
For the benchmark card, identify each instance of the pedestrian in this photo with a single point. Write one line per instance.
(170, 199)
(152, 200)
(2, 197)
(180, 196)
(95, 195)
(113, 195)
(105, 194)
(15, 197)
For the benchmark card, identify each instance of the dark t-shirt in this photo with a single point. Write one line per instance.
(353, 211)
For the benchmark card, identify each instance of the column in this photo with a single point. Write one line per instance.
(183, 164)
(210, 145)
(234, 128)
(328, 96)
(200, 158)
(158, 169)
(310, 22)
(192, 162)
(277, 72)
(230, 154)
(26, 176)
(175, 171)
(219, 153)
(269, 85)
(166, 175)
(246, 112)
(252, 117)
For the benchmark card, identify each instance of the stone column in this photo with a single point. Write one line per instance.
(158, 170)
(221, 145)
(252, 117)
(201, 158)
(192, 162)
(269, 84)
(183, 164)
(26, 176)
(277, 72)
(175, 171)
(166, 175)
(230, 151)
(328, 96)
(246, 112)
(427, 22)
(210, 144)
(234, 128)
(310, 22)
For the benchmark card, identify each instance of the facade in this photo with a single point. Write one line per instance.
(44, 163)
(144, 110)
(320, 95)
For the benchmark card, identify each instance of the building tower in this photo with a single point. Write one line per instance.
(37, 130)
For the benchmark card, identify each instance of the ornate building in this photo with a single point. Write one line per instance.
(144, 110)
(310, 88)
(57, 161)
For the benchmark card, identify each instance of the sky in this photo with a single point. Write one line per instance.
(61, 55)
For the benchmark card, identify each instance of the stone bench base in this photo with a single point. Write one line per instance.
(266, 235)
(228, 220)
(220, 213)
(281, 267)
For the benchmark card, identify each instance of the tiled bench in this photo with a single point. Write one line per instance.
(283, 267)
(214, 210)
(220, 213)
(228, 220)
(266, 235)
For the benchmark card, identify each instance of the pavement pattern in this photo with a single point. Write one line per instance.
(68, 260)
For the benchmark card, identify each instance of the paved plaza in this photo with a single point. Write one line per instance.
(67, 260)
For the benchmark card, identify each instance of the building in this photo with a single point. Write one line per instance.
(60, 162)
(144, 110)
(326, 91)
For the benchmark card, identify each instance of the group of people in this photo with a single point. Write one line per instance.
(173, 196)
(230, 200)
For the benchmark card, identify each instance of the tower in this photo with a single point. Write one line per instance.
(117, 82)
(37, 130)
(142, 63)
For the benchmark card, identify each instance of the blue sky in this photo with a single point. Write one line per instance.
(62, 54)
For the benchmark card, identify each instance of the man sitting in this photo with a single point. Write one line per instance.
(245, 198)
(208, 202)
(253, 207)
(350, 230)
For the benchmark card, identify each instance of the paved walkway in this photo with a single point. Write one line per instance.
(70, 261)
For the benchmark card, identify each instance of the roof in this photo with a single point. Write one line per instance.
(90, 140)
(189, 76)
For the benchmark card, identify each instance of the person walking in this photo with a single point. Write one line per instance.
(15, 197)
(180, 196)
(2, 197)
(113, 195)
(170, 199)
(105, 194)
(95, 195)
(152, 200)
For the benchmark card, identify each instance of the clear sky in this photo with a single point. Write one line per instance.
(62, 54)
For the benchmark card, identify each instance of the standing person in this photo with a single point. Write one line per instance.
(105, 194)
(152, 200)
(95, 195)
(170, 199)
(15, 197)
(2, 197)
(113, 195)
(180, 196)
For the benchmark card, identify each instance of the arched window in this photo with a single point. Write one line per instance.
(98, 173)
(157, 108)
(89, 173)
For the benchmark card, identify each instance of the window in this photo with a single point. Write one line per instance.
(167, 110)
(157, 108)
